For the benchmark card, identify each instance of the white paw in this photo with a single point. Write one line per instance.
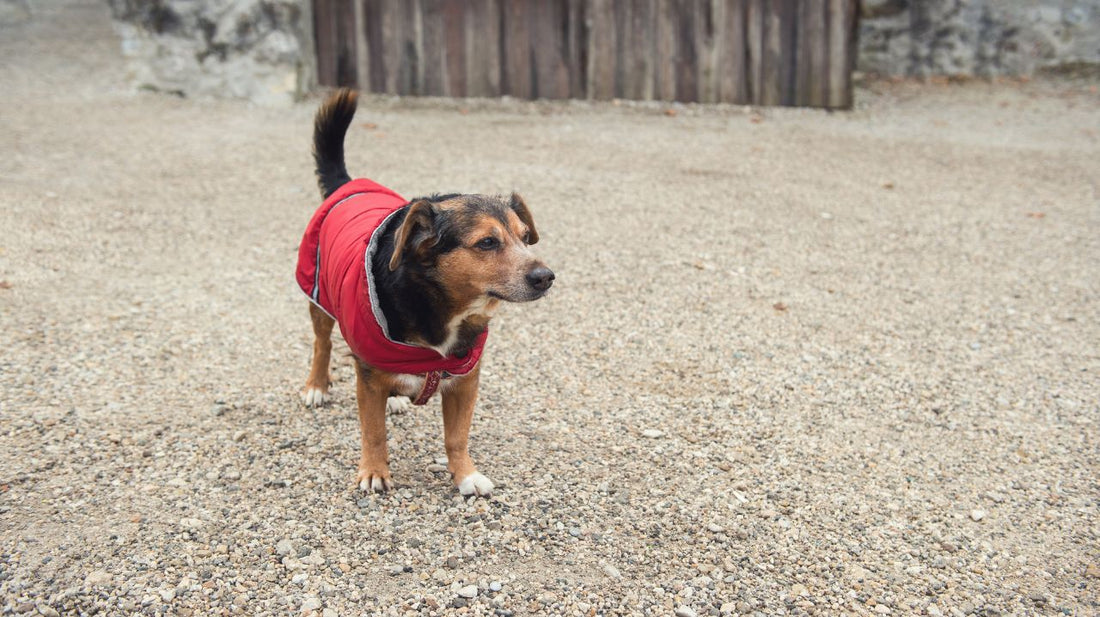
(375, 484)
(314, 397)
(398, 404)
(475, 484)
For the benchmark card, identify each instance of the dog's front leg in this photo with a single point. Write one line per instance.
(374, 465)
(459, 398)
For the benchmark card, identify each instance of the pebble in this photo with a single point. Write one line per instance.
(97, 578)
(495, 586)
(311, 603)
(469, 591)
(977, 515)
(47, 611)
(612, 571)
(652, 433)
(284, 547)
(685, 611)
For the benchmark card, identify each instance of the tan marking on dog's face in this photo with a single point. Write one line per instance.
(492, 261)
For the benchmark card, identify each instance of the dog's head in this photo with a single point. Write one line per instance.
(477, 247)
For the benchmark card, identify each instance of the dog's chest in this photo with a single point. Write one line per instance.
(408, 385)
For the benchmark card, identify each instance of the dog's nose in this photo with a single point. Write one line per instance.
(540, 278)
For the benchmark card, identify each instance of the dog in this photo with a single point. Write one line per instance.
(413, 285)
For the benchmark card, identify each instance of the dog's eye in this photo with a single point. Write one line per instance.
(527, 237)
(487, 244)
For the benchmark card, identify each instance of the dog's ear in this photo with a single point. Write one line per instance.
(416, 234)
(524, 213)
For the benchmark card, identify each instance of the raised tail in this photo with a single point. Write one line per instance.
(329, 128)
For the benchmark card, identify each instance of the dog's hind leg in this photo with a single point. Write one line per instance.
(316, 390)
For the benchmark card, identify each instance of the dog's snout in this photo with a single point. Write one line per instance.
(540, 278)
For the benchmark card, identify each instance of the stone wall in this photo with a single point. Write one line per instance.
(982, 38)
(259, 50)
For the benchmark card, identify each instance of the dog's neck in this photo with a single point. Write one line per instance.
(419, 312)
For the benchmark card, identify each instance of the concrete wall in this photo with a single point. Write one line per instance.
(259, 50)
(978, 37)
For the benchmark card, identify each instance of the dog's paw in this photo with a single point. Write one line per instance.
(313, 396)
(376, 481)
(398, 404)
(475, 484)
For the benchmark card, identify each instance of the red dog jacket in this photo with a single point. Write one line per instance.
(334, 271)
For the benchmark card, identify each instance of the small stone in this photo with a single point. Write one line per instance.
(977, 515)
(46, 611)
(715, 528)
(798, 589)
(396, 570)
(284, 547)
(98, 577)
(24, 607)
(437, 468)
(329, 612)
(1092, 571)
(300, 579)
(469, 591)
(652, 433)
(311, 603)
(882, 609)
(167, 594)
(190, 523)
(239, 436)
(684, 611)
(612, 571)
(727, 608)
(495, 586)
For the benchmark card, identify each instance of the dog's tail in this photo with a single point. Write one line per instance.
(329, 128)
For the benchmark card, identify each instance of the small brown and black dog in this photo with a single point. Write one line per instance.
(413, 285)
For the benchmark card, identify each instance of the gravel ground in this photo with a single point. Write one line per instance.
(795, 362)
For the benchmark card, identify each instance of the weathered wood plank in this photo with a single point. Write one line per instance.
(813, 55)
(664, 51)
(454, 44)
(707, 48)
(325, 38)
(375, 37)
(517, 70)
(732, 60)
(755, 31)
(549, 44)
(575, 48)
(841, 23)
(433, 49)
(602, 42)
(686, 62)
(484, 72)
